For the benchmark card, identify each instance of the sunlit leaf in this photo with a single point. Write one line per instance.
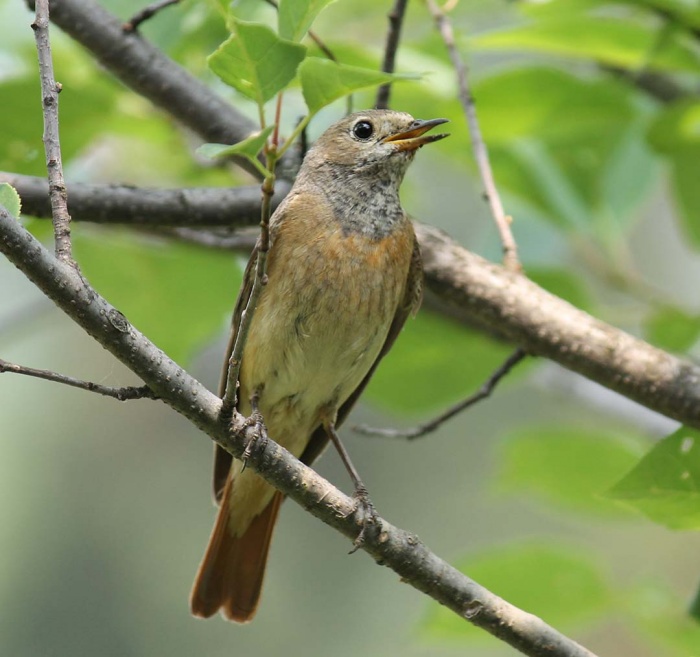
(323, 81)
(665, 484)
(256, 62)
(555, 583)
(567, 466)
(10, 200)
(296, 16)
(178, 295)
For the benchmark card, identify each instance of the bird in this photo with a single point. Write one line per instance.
(343, 275)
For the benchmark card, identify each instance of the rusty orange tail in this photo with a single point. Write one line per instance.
(231, 574)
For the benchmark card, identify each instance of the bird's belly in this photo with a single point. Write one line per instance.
(318, 329)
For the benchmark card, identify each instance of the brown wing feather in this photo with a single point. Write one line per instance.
(413, 295)
(222, 459)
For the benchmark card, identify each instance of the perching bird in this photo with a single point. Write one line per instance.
(344, 273)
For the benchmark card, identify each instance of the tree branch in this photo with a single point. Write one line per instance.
(401, 551)
(122, 394)
(190, 207)
(52, 144)
(481, 155)
(428, 427)
(512, 306)
(482, 294)
(392, 44)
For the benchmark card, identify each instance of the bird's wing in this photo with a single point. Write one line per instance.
(413, 295)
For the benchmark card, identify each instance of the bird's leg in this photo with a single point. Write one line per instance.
(369, 515)
(257, 423)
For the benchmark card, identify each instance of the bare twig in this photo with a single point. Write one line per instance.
(397, 549)
(259, 282)
(52, 145)
(147, 12)
(393, 36)
(122, 394)
(510, 251)
(428, 427)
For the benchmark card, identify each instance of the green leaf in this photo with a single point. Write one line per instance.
(673, 329)
(435, 362)
(10, 200)
(686, 190)
(555, 583)
(566, 466)
(665, 484)
(660, 613)
(676, 127)
(256, 62)
(323, 81)
(249, 148)
(178, 295)
(294, 17)
(613, 41)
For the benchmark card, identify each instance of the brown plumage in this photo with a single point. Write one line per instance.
(344, 274)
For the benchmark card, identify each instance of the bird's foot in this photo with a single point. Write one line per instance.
(256, 434)
(369, 515)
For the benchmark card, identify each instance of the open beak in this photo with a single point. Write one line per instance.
(413, 138)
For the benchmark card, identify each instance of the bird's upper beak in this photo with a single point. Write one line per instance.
(415, 137)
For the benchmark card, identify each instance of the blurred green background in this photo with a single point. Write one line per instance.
(105, 507)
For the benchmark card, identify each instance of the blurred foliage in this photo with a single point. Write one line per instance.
(556, 583)
(580, 141)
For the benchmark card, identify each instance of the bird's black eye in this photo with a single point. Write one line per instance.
(363, 130)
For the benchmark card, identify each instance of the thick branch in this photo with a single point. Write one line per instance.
(388, 545)
(485, 295)
(545, 325)
(149, 72)
(123, 204)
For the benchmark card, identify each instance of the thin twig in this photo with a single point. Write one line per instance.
(393, 36)
(510, 251)
(428, 427)
(52, 145)
(122, 394)
(260, 280)
(147, 12)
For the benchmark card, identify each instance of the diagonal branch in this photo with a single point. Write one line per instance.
(399, 550)
(393, 36)
(481, 155)
(478, 293)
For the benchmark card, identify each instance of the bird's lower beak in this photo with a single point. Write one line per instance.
(415, 136)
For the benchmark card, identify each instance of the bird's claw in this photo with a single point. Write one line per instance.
(369, 516)
(258, 434)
